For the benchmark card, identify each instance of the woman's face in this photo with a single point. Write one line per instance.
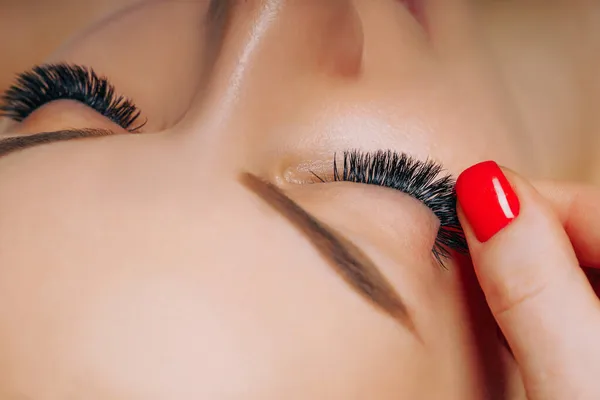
(151, 266)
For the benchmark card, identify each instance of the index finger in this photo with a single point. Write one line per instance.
(577, 207)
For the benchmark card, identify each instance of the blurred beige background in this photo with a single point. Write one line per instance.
(31, 29)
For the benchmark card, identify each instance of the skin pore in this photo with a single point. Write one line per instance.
(152, 266)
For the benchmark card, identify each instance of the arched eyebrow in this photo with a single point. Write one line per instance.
(17, 143)
(348, 261)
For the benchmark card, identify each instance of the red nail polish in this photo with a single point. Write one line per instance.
(487, 199)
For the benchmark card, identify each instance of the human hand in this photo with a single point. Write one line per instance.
(527, 244)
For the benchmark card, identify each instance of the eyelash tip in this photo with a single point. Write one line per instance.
(426, 181)
(45, 83)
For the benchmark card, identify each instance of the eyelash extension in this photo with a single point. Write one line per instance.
(423, 180)
(49, 82)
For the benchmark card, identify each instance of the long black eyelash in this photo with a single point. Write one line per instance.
(423, 180)
(46, 83)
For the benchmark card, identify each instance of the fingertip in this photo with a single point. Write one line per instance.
(487, 201)
(515, 240)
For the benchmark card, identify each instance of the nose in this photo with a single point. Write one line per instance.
(322, 35)
(282, 41)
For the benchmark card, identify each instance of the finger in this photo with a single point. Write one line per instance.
(534, 287)
(576, 206)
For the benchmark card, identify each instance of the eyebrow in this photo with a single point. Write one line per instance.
(347, 260)
(17, 143)
(350, 262)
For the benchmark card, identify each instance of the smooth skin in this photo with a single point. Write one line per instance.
(137, 267)
(538, 293)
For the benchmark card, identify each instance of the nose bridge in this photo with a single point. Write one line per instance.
(315, 35)
(283, 40)
(312, 32)
(271, 58)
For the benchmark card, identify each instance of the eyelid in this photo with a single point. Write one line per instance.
(423, 180)
(50, 82)
(355, 267)
(379, 217)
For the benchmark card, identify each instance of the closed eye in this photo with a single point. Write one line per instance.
(51, 82)
(423, 180)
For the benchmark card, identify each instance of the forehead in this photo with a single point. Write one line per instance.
(126, 275)
(122, 254)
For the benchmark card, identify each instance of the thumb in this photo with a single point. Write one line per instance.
(533, 284)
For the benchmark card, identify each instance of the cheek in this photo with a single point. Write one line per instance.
(153, 53)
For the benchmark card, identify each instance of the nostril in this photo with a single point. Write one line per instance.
(343, 42)
(417, 9)
(411, 5)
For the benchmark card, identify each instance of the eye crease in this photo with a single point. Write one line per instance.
(353, 265)
(422, 180)
(50, 82)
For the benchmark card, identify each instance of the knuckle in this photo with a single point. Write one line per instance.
(517, 293)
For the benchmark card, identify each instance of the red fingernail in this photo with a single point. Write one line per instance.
(487, 199)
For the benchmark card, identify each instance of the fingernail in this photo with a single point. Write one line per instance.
(487, 199)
